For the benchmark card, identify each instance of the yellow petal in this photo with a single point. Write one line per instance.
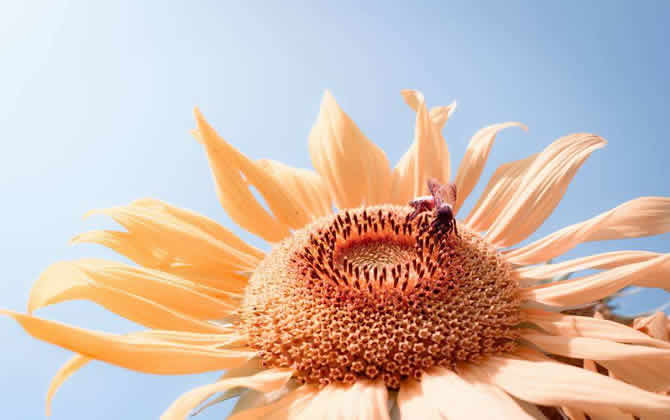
(640, 217)
(542, 187)
(606, 260)
(500, 189)
(475, 157)
(265, 381)
(131, 352)
(304, 187)
(557, 384)
(583, 326)
(355, 170)
(427, 157)
(150, 298)
(71, 366)
(651, 273)
(234, 173)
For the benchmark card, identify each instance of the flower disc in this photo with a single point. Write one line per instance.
(369, 293)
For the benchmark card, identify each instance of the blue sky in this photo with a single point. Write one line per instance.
(96, 104)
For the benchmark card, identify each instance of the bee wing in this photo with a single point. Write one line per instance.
(448, 193)
(442, 193)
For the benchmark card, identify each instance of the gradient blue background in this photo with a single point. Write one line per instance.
(96, 102)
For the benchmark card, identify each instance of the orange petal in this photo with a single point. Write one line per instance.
(582, 326)
(467, 399)
(641, 366)
(606, 260)
(475, 157)
(265, 381)
(306, 188)
(545, 382)
(131, 352)
(640, 217)
(427, 157)
(356, 170)
(542, 187)
(500, 189)
(651, 273)
(150, 298)
(655, 326)
(170, 239)
(71, 366)
(234, 173)
(162, 288)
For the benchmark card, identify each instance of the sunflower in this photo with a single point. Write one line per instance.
(367, 307)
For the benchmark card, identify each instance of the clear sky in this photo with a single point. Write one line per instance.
(96, 103)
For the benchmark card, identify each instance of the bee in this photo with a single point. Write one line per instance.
(441, 202)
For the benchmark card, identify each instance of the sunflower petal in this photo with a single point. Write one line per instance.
(362, 400)
(265, 381)
(131, 352)
(655, 326)
(290, 407)
(467, 399)
(306, 188)
(641, 366)
(427, 157)
(542, 187)
(414, 403)
(500, 189)
(233, 173)
(606, 260)
(651, 273)
(475, 158)
(355, 169)
(71, 366)
(150, 298)
(640, 217)
(558, 384)
(583, 326)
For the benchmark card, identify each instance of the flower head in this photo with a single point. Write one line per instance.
(371, 292)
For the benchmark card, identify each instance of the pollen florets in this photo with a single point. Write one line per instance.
(369, 293)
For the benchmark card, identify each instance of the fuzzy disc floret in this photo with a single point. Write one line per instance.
(369, 293)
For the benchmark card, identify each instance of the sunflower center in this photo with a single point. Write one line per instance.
(369, 293)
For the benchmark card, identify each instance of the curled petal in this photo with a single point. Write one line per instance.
(132, 351)
(640, 217)
(606, 260)
(355, 170)
(651, 273)
(71, 366)
(542, 187)
(500, 189)
(234, 173)
(655, 326)
(265, 381)
(427, 157)
(290, 407)
(475, 158)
